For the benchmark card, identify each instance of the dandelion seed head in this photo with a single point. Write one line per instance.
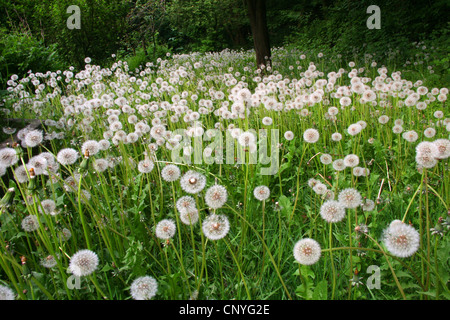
(332, 211)
(215, 226)
(8, 157)
(144, 288)
(311, 135)
(6, 293)
(307, 251)
(401, 239)
(350, 198)
(67, 156)
(91, 146)
(145, 166)
(261, 193)
(170, 173)
(216, 196)
(83, 263)
(193, 182)
(30, 223)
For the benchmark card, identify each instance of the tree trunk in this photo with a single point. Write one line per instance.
(256, 10)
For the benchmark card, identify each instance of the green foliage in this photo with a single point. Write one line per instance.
(20, 52)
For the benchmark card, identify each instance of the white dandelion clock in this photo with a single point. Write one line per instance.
(185, 204)
(30, 223)
(401, 239)
(83, 263)
(8, 157)
(67, 156)
(165, 229)
(215, 226)
(311, 135)
(145, 166)
(216, 196)
(170, 173)
(442, 148)
(307, 251)
(193, 182)
(189, 217)
(6, 293)
(144, 288)
(261, 193)
(350, 198)
(289, 135)
(332, 211)
(34, 138)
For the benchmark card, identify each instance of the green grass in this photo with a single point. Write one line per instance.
(255, 259)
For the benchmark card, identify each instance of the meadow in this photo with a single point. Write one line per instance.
(203, 177)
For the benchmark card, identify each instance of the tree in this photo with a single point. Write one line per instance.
(256, 10)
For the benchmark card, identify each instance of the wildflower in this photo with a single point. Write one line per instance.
(427, 147)
(326, 159)
(193, 182)
(356, 279)
(189, 216)
(425, 160)
(429, 132)
(6, 293)
(145, 166)
(397, 129)
(100, 165)
(21, 174)
(410, 136)
(261, 193)
(165, 229)
(144, 288)
(443, 148)
(401, 239)
(65, 234)
(383, 119)
(289, 135)
(8, 157)
(67, 156)
(170, 173)
(354, 129)
(339, 165)
(185, 204)
(83, 263)
(92, 146)
(320, 188)
(336, 136)
(307, 251)
(216, 196)
(34, 138)
(351, 160)
(350, 198)
(30, 223)
(368, 205)
(361, 229)
(48, 262)
(311, 135)
(38, 163)
(246, 139)
(9, 130)
(332, 211)
(215, 226)
(47, 206)
(267, 121)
